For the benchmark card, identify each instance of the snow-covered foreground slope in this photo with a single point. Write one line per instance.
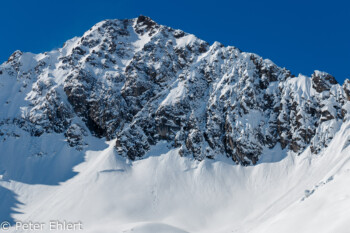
(168, 193)
(326, 206)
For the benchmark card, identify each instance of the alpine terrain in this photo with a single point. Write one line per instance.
(138, 127)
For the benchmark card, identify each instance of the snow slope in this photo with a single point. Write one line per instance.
(168, 193)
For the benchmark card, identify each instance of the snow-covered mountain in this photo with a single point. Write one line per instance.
(139, 127)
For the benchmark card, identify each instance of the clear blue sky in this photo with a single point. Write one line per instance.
(299, 35)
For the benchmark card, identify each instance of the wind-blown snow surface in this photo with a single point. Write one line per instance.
(168, 193)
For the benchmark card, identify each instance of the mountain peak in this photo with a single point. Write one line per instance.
(74, 120)
(15, 55)
(145, 24)
(142, 83)
(145, 20)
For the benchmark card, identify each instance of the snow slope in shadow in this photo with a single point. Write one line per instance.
(7, 204)
(32, 161)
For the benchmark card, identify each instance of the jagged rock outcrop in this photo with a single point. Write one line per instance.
(141, 82)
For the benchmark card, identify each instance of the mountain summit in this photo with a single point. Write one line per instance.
(141, 82)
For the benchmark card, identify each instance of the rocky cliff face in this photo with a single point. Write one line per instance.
(141, 82)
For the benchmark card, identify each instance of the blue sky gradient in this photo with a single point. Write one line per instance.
(300, 35)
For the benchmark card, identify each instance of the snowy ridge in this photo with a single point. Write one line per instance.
(147, 128)
(141, 82)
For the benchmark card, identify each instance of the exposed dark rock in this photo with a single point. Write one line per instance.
(346, 87)
(322, 81)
